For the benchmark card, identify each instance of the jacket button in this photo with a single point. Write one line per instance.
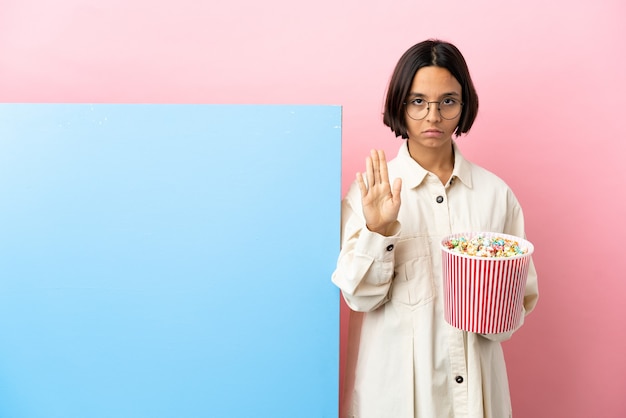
(439, 199)
(459, 379)
(389, 247)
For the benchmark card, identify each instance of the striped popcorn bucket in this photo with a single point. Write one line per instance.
(484, 295)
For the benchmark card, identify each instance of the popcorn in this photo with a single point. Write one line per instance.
(481, 246)
(484, 280)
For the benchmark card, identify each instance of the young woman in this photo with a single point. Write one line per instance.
(404, 360)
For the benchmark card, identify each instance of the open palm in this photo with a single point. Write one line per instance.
(380, 200)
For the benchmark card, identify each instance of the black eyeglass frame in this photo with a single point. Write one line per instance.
(406, 109)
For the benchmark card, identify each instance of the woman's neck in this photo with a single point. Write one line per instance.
(439, 161)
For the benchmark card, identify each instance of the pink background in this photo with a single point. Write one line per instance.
(551, 80)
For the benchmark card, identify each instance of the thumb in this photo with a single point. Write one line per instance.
(395, 190)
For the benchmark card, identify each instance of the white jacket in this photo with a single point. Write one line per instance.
(404, 360)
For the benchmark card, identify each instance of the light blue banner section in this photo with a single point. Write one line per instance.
(168, 261)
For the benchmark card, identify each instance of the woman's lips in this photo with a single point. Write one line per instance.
(432, 133)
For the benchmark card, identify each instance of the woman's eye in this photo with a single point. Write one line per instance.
(417, 102)
(448, 102)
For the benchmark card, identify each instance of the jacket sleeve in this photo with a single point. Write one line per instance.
(515, 226)
(365, 267)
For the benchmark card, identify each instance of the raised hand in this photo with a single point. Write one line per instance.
(380, 200)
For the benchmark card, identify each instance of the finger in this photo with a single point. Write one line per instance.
(369, 171)
(396, 189)
(384, 174)
(375, 166)
(361, 183)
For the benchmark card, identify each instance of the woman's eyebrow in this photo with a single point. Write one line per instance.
(451, 93)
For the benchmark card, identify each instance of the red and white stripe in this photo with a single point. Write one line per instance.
(484, 295)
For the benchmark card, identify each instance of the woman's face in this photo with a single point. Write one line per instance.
(432, 84)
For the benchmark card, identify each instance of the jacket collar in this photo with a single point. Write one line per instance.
(415, 173)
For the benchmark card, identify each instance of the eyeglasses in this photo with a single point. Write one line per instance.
(418, 108)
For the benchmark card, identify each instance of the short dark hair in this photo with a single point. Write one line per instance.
(432, 52)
